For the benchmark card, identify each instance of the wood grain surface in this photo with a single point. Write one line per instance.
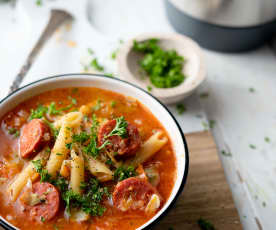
(206, 193)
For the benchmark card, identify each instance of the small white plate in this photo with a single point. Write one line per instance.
(194, 68)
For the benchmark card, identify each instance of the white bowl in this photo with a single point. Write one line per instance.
(194, 68)
(119, 86)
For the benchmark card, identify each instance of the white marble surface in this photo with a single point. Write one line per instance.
(242, 118)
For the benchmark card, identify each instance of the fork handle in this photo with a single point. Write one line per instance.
(57, 18)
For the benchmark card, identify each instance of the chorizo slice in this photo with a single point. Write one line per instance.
(34, 136)
(133, 194)
(122, 146)
(48, 207)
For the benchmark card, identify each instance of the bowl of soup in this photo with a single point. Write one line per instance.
(82, 151)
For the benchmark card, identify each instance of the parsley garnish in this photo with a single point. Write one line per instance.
(149, 88)
(90, 51)
(180, 108)
(44, 175)
(53, 110)
(94, 63)
(39, 112)
(14, 132)
(204, 95)
(80, 138)
(252, 90)
(124, 172)
(227, 154)
(205, 224)
(109, 162)
(42, 219)
(163, 67)
(212, 123)
(120, 128)
(114, 54)
(90, 201)
(92, 149)
(98, 105)
(113, 104)
(252, 146)
(267, 139)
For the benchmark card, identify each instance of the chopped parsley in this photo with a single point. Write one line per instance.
(14, 132)
(90, 51)
(114, 54)
(149, 88)
(124, 172)
(90, 201)
(180, 108)
(109, 74)
(204, 95)
(252, 146)
(94, 64)
(205, 224)
(39, 112)
(227, 154)
(252, 90)
(120, 128)
(75, 90)
(113, 104)
(92, 148)
(53, 110)
(109, 162)
(80, 138)
(44, 175)
(42, 219)
(73, 100)
(38, 2)
(267, 139)
(164, 67)
(98, 105)
(212, 123)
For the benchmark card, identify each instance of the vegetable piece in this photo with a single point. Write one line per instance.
(164, 67)
(205, 224)
(133, 194)
(33, 137)
(124, 137)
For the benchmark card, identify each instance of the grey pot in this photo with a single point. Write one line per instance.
(224, 25)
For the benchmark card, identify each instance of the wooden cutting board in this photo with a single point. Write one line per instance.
(206, 193)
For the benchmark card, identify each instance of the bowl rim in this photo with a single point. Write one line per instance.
(6, 225)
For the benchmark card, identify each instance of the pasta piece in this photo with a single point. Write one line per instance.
(27, 173)
(74, 118)
(148, 149)
(60, 151)
(77, 171)
(78, 215)
(116, 163)
(65, 168)
(99, 169)
(85, 110)
(153, 204)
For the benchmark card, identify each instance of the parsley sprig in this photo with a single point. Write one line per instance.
(120, 128)
(124, 172)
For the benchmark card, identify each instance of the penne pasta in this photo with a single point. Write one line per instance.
(60, 151)
(148, 149)
(27, 173)
(77, 171)
(99, 169)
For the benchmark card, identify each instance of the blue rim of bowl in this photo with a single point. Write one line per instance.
(7, 226)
